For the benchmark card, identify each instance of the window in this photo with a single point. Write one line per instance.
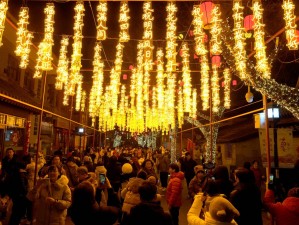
(13, 70)
(28, 80)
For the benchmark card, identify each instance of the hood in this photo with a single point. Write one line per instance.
(134, 184)
(291, 204)
(62, 180)
(179, 175)
(210, 221)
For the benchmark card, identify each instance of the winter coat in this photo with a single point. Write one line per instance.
(188, 168)
(257, 176)
(148, 213)
(196, 186)
(164, 162)
(72, 175)
(194, 211)
(174, 189)
(285, 213)
(54, 214)
(224, 184)
(30, 168)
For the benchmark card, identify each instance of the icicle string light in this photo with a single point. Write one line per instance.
(180, 107)
(205, 82)
(124, 22)
(259, 44)
(216, 31)
(194, 104)
(199, 34)
(3, 10)
(289, 17)
(139, 90)
(215, 90)
(79, 93)
(102, 19)
(160, 88)
(83, 101)
(63, 65)
(186, 78)
(239, 36)
(74, 76)
(227, 81)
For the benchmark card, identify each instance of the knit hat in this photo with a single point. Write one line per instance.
(222, 210)
(127, 168)
(100, 170)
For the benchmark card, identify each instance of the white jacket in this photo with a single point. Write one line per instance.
(193, 214)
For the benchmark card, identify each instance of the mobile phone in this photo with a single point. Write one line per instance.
(102, 178)
(271, 178)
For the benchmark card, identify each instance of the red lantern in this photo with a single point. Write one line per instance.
(234, 82)
(181, 52)
(125, 76)
(297, 35)
(222, 84)
(248, 23)
(206, 8)
(216, 60)
(131, 67)
(195, 56)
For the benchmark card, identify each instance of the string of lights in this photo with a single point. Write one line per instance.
(102, 19)
(289, 17)
(63, 65)
(3, 10)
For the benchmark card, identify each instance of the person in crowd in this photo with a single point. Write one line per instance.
(9, 168)
(187, 166)
(198, 183)
(148, 212)
(258, 177)
(71, 172)
(174, 192)
(246, 197)
(114, 173)
(87, 161)
(55, 161)
(221, 212)
(84, 175)
(85, 210)
(247, 165)
(286, 212)
(30, 168)
(225, 185)
(148, 167)
(164, 162)
(53, 197)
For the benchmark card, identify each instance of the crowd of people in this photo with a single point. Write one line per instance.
(126, 186)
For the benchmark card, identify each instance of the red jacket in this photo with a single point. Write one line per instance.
(174, 190)
(285, 213)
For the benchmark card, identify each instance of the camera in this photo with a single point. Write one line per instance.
(102, 178)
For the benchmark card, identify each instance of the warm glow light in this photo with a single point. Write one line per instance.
(194, 104)
(139, 90)
(186, 78)
(74, 76)
(216, 31)
(63, 65)
(79, 93)
(289, 17)
(24, 38)
(83, 101)
(124, 18)
(205, 82)
(180, 108)
(239, 36)
(3, 10)
(102, 19)
(198, 32)
(227, 82)
(262, 65)
(215, 90)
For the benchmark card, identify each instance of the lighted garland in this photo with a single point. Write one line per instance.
(160, 88)
(139, 90)
(194, 103)
(287, 97)
(198, 32)
(215, 90)
(227, 81)
(216, 31)
(63, 65)
(102, 19)
(186, 78)
(239, 36)
(83, 101)
(262, 65)
(78, 94)
(24, 38)
(180, 107)
(124, 22)
(205, 82)
(289, 17)
(3, 10)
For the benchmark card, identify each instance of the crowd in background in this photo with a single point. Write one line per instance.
(126, 185)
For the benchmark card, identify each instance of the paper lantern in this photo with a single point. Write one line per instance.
(125, 76)
(248, 23)
(234, 82)
(297, 35)
(131, 67)
(216, 60)
(206, 9)
(195, 56)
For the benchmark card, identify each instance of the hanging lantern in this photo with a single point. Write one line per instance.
(235, 82)
(206, 8)
(248, 22)
(125, 76)
(216, 60)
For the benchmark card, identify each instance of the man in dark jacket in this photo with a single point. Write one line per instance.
(148, 212)
(188, 168)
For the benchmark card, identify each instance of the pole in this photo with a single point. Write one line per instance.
(181, 142)
(268, 171)
(94, 137)
(211, 128)
(40, 125)
(70, 123)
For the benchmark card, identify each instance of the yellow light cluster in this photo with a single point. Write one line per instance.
(290, 26)
(180, 107)
(215, 90)
(78, 94)
(204, 82)
(3, 10)
(24, 38)
(83, 101)
(262, 64)
(186, 78)
(160, 87)
(239, 36)
(63, 65)
(44, 53)
(102, 19)
(121, 118)
(74, 76)
(65, 100)
(124, 22)
(194, 104)
(227, 81)
(199, 35)
(216, 31)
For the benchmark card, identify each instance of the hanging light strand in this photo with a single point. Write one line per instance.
(186, 78)
(227, 81)
(63, 64)
(205, 82)
(262, 64)
(216, 31)
(290, 24)
(3, 10)
(124, 18)
(215, 90)
(139, 89)
(79, 93)
(102, 19)
(194, 104)
(198, 32)
(160, 87)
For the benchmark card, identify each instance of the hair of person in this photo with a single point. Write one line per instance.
(247, 165)
(243, 175)
(83, 196)
(221, 173)
(82, 170)
(9, 149)
(212, 188)
(70, 159)
(53, 168)
(294, 192)
(55, 156)
(255, 161)
(147, 160)
(175, 167)
(142, 174)
(187, 153)
(147, 191)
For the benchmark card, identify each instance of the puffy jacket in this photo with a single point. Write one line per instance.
(285, 213)
(174, 189)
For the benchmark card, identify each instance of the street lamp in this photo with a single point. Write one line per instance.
(80, 131)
